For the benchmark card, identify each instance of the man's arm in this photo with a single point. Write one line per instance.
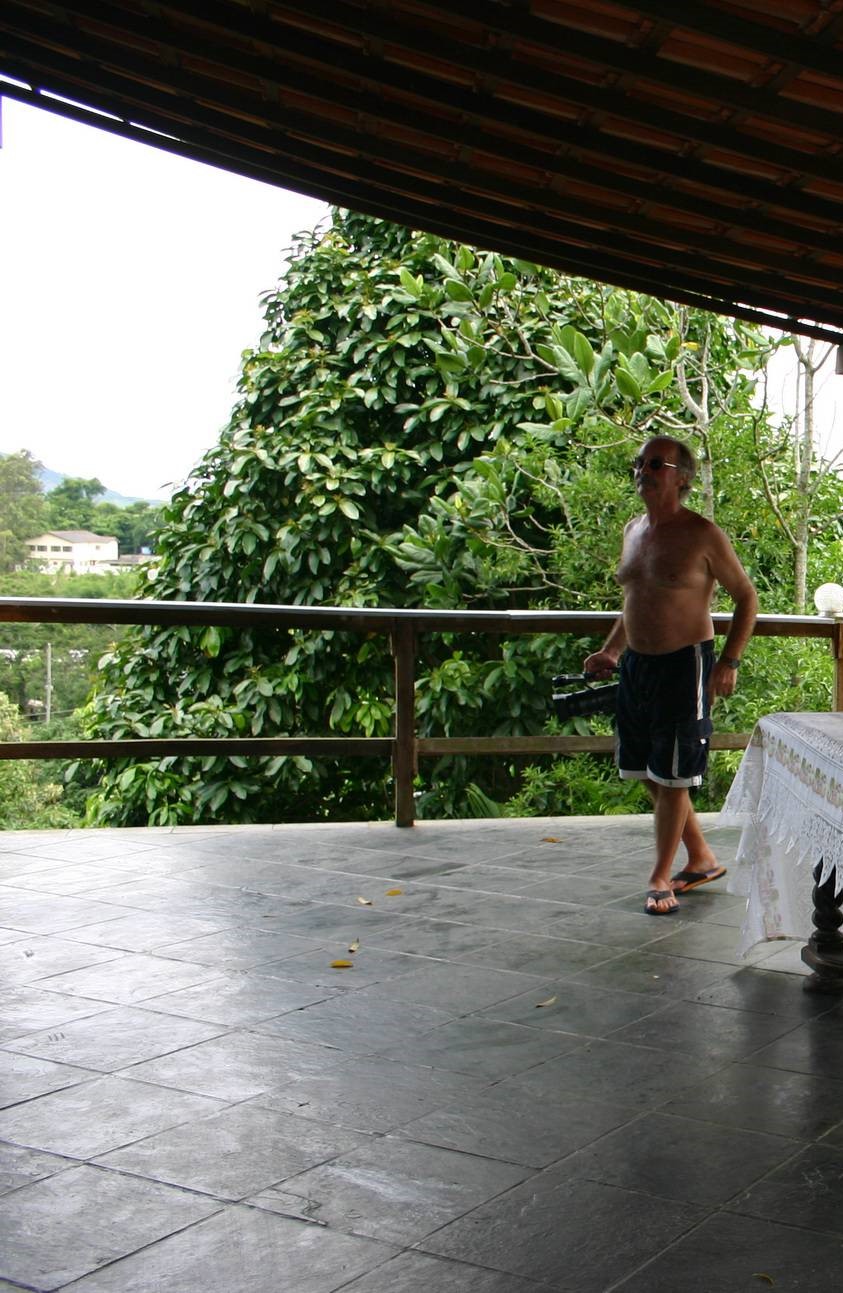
(602, 663)
(730, 574)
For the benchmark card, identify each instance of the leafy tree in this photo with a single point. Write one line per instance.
(74, 505)
(22, 513)
(731, 423)
(134, 526)
(421, 424)
(801, 488)
(28, 799)
(70, 506)
(392, 364)
(76, 648)
(741, 448)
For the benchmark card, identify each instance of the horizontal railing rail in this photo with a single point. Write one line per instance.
(402, 627)
(83, 610)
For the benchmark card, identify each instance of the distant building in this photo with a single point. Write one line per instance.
(131, 561)
(78, 552)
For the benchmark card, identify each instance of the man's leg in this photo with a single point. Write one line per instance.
(700, 856)
(672, 805)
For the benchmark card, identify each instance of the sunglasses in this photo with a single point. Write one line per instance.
(654, 464)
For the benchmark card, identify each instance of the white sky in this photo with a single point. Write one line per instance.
(129, 286)
(828, 397)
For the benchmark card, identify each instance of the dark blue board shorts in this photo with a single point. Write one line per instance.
(663, 724)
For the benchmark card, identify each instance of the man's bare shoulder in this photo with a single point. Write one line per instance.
(714, 540)
(702, 528)
(690, 517)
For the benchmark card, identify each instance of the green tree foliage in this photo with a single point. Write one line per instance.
(70, 505)
(28, 799)
(22, 511)
(134, 526)
(74, 505)
(421, 425)
(761, 476)
(76, 648)
(713, 405)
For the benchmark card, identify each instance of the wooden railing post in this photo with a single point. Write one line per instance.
(404, 744)
(837, 651)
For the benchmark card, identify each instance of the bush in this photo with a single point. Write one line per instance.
(28, 800)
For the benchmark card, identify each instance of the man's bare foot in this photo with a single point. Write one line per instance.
(660, 902)
(698, 855)
(692, 877)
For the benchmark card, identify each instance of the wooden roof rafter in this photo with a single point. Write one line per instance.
(693, 151)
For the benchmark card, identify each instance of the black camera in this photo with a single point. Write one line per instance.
(579, 704)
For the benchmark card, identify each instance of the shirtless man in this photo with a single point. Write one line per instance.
(672, 559)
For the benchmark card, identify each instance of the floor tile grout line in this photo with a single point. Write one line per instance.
(618, 1285)
(141, 1248)
(661, 1001)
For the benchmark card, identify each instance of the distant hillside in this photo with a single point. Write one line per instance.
(49, 479)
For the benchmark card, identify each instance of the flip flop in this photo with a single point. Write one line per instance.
(693, 879)
(660, 895)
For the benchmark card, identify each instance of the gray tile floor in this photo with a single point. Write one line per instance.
(521, 1083)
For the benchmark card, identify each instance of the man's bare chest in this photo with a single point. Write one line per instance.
(664, 559)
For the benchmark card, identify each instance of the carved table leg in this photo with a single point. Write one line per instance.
(824, 950)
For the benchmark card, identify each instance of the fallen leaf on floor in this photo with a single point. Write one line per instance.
(342, 965)
(365, 902)
(301, 1216)
(550, 839)
(759, 1275)
(355, 946)
(393, 893)
(549, 1002)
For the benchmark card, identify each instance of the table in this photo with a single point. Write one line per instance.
(788, 797)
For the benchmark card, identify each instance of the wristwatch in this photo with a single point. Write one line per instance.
(730, 661)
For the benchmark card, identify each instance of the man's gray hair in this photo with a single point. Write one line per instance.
(686, 462)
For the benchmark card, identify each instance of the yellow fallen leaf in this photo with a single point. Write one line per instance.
(365, 902)
(355, 946)
(549, 1002)
(759, 1275)
(393, 893)
(550, 839)
(342, 965)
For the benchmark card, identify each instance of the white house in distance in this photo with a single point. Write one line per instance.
(79, 552)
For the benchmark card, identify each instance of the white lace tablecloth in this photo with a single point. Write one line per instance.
(788, 797)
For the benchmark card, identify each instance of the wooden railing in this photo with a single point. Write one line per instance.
(402, 627)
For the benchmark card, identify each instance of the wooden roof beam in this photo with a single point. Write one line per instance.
(151, 102)
(354, 193)
(278, 116)
(789, 48)
(600, 53)
(298, 44)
